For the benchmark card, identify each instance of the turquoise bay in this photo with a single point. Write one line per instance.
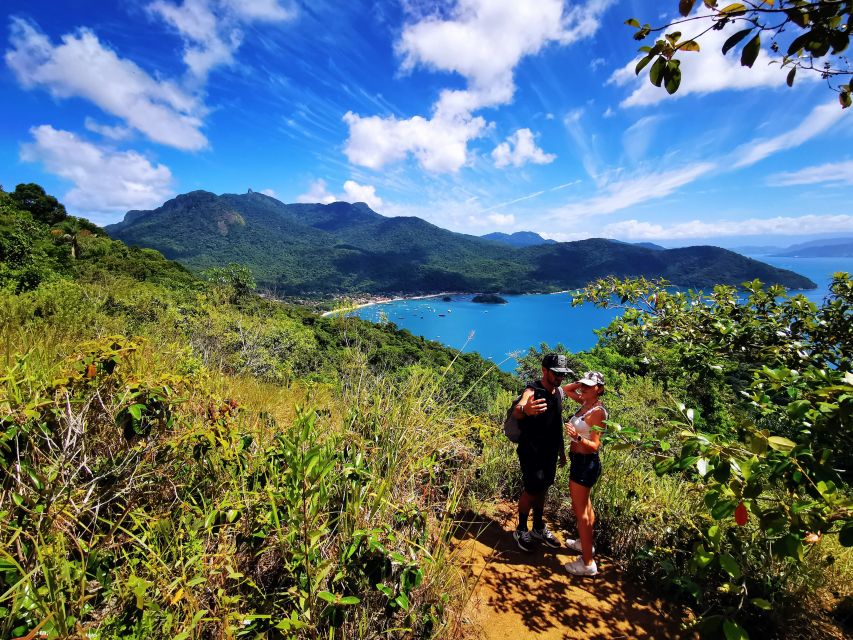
(499, 332)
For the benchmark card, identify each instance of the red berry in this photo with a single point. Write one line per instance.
(741, 515)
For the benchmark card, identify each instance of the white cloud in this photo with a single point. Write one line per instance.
(439, 145)
(501, 220)
(317, 192)
(707, 71)
(519, 149)
(629, 192)
(269, 192)
(107, 131)
(105, 181)
(83, 67)
(785, 226)
(819, 120)
(483, 41)
(353, 192)
(830, 172)
(212, 29)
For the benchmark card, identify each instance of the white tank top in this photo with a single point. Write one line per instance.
(580, 424)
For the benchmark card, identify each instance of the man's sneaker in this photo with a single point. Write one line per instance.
(544, 536)
(523, 539)
(579, 568)
(575, 545)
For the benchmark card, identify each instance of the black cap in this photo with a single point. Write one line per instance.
(557, 363)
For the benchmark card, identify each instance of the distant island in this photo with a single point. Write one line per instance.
(319, 251)
(489, 298)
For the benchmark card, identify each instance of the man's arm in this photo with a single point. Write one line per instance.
(522, 409)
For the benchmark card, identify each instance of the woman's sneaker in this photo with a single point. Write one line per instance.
(523, 539)
(579, 568)
(575, 545)
(544, 536)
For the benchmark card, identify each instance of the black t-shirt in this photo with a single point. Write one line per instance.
(543, 433)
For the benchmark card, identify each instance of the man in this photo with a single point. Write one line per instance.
(541, 445)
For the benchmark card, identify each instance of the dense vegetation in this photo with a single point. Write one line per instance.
(181, 458)
(342, 248)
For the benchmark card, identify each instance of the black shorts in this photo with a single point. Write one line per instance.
(585, 469)
(537, 470)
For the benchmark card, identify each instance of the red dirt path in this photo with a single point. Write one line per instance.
(522, 595)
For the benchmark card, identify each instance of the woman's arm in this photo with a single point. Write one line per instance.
(594, 419)
(571, 391)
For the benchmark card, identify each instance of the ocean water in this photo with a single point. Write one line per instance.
(500, 332)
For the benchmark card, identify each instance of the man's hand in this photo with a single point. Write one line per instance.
(534, 407)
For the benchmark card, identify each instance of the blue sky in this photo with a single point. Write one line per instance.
(477, 115)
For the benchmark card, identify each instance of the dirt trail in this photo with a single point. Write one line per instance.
(522, 595)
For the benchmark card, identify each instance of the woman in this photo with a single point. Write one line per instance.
(584, 431)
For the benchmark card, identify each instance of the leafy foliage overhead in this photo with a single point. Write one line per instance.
(347, 248)
(812, 36)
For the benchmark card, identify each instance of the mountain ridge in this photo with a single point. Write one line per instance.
(344, 248)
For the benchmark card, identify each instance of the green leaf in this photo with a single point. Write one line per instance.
(733, 10)
(633, 22)
(685, 6)
(733, 40)
(641, 64)
(800, 18)
(657, 71)
(702, 557)
(403, 601)
(673, 76)
(844, 99)
(723, 509)
(327, 596)
(778, 443)
(349, 600)
(761, 603)
(730, 565)
(734, 631)
(750, 51)
(689, 45)
(136, 411)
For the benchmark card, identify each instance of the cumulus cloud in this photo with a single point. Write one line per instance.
(785, 226)
(212, 30)
(353, 192)
(519, 149)
(483, 41)
(81, 66)
(705, 72)
(269, 192)
(831, 172)
(105, 181)
(440, 145)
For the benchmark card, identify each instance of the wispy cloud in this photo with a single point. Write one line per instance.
(212, 30)
(831, 172)
(105, 181)
(819, 120)
(785, 226)
(81, 66)
(622, 194)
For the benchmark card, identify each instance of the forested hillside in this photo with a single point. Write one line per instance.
(345, 248)
(180, 458)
